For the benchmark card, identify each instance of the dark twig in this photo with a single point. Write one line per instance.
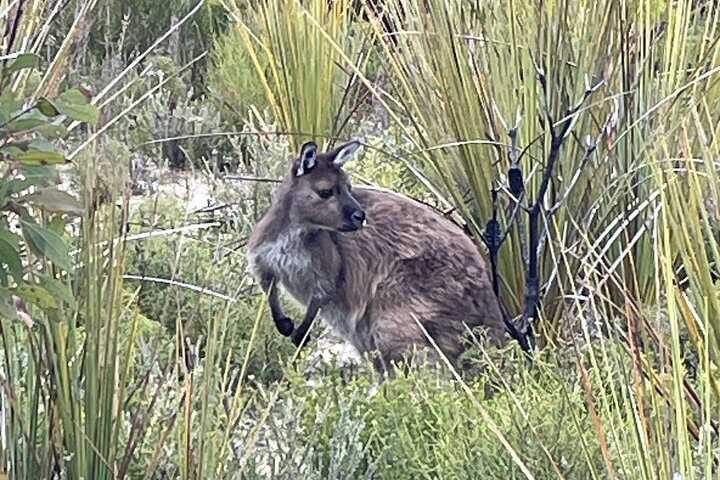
(10, 35)
(559, 131)
(517, 186)
(558, 136)
(494, 239)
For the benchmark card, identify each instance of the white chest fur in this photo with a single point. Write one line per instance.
(290, 260)
(294, 264)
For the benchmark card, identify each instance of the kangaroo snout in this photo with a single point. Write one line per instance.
(359, 216)
(354, 218)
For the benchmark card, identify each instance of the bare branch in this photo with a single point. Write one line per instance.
(590, 146)
(250, 178)
(535, 236)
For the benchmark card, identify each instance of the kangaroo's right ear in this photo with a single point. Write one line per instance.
(307, 159)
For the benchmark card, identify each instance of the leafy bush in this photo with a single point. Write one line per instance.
(34, 254)
(173, 125)
(122, 29)
(233, 76)
(421, 426)
(177, 266)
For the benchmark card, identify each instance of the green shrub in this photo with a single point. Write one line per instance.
(173, 113)
(418, 426)
(382, 162)
(194, 261)
(122, 29)
(233, 74)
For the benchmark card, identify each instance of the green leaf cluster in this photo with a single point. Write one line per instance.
(35, 212)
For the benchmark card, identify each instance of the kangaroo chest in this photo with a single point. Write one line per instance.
(311, 266)
(304, 266)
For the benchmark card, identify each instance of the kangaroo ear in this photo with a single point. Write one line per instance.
(308, 158)
(344, 153)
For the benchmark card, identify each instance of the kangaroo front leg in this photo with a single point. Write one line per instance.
(283, 323)
(300, 336)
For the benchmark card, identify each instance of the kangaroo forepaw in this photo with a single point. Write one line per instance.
(299, 338)
(285, 326)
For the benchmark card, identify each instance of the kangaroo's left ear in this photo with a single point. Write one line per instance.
(308, 158)
(343, 153)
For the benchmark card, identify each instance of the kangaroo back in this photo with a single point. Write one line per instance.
(410, 264)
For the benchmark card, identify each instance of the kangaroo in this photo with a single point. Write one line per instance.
(369, 262)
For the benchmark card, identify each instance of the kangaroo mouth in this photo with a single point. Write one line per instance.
(353, 224)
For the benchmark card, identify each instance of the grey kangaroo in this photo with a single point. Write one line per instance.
(369, 262)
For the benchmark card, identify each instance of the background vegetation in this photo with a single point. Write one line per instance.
(135, 345)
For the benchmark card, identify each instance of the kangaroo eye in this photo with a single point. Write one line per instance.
(325, 194)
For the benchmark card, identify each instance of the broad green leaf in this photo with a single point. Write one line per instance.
(47, 108)
(46, 243)
(22, 62)
(30, 120)
(54, 200)
(11, 151)
(39, 157)
(16, 185)
(10, 237)
(24, 124)
(74, 104)
(35, 294)
(5, 189)
(43, 144)
(37, 152)
(9, 105)
(34, 175)
(38, 174)
(58, 289)
(57, 224)
(7, 305)
(10, 256)
(51, 131)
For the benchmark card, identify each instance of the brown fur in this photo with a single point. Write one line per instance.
(407, 262)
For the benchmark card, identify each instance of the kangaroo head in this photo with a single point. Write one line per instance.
(320, 191)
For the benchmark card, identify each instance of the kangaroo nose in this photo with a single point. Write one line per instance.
(359, 217)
